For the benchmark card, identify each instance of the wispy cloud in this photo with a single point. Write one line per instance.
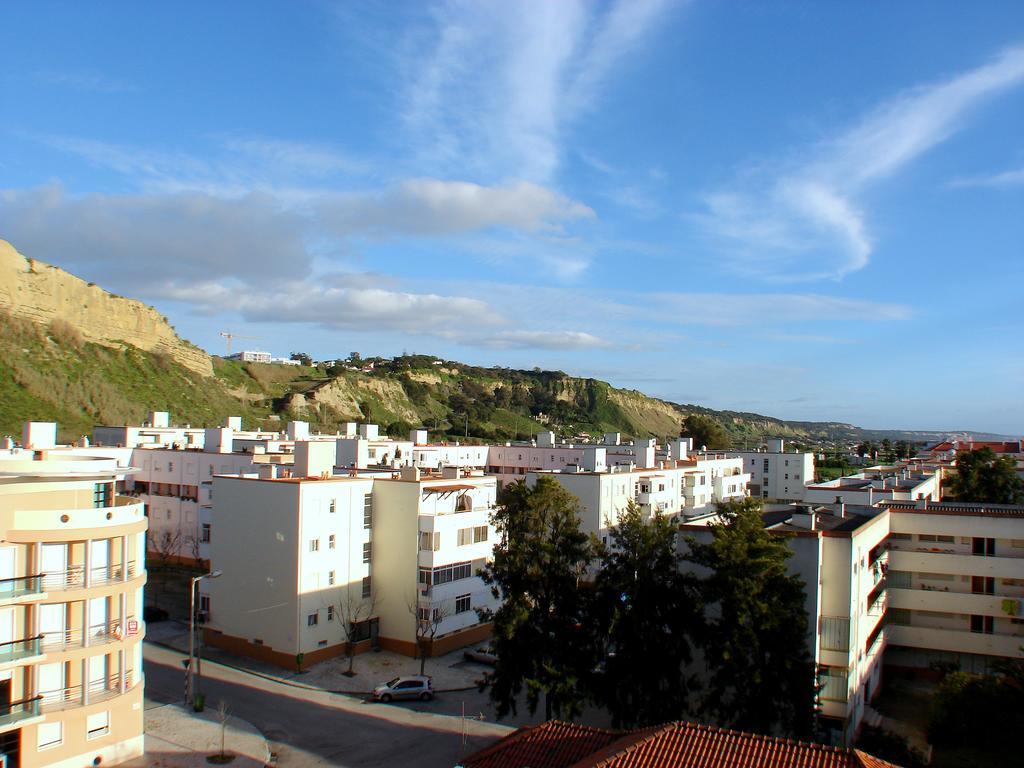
(1012, 178)
(91, 82)
(501, 83)
(805, 221)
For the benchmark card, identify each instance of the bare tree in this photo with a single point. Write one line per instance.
(429, 617)
(222, 716)
(352, 609)
(193, 543)
(166, 547)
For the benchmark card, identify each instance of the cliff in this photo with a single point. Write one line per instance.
(42, 293)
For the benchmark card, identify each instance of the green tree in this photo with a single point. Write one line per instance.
(761, 674)
(984, 477)
(302, 357)
(705, 431)
(646, 612)
(539, 639)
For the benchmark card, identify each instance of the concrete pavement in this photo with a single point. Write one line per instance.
(177, 737)
(307, 726)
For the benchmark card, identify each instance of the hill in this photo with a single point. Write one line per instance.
(73, 353)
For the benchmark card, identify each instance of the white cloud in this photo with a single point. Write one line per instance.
(766, 310)
(436, 207)
(804, 222)
(542, 340)
(85, 81)
(500, 83)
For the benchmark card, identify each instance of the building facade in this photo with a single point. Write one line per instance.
(776, 475)
(72, 571)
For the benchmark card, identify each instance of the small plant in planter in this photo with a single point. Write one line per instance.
(223, 758)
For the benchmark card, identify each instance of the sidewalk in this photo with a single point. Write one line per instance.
(178, 738)
(450, 672)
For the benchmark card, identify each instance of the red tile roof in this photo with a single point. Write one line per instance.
(675, 745)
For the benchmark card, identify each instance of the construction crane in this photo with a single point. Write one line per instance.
(231, 336)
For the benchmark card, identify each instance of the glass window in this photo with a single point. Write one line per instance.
(463, 603)
(98, 724)
(313, 619)
(330, 613)
(49, 735)
(314, 545)
(367, 551)
(330, 541)
(330, 577)
(205, 535)
(367, 586)
(333, 506)
(479, 534)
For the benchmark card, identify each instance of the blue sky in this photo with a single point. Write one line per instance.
(809, 210)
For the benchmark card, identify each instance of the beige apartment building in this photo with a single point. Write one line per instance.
(72, 570)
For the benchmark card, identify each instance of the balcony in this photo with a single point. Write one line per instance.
(948, 602)
(955, 640)
(959, 565)
(15, 714)
(21, 586)
(16, 650)
(113, 631)
(75, 577)
(92, 693)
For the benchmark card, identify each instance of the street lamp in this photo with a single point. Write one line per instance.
(189, 694)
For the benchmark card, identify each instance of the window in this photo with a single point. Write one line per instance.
(314, 545)
(333, 506)
(205, 535)
(98, 724)
(170, 466)
(49, 735)
(465, 536)
(101, 494)
(204, 603)
(367, 551)
(982, 624)
(787, 475)
(168, 514)
(479, 534)
(330, 577)
(463, 603)
(361, 630)
(330, 541)
(446, 573)
(368, 511)
(984, 547)
(430, 542)
(330, 613)
(313, 619)
(367, 586)
(983, 585)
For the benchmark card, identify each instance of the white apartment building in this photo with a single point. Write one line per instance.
(253, 356)
(433, 537)
(955, 584)
(905, 585)
(72, 570)
(875, 485)
(295, 548)
(685, 488)
(776, 475)
(513, 461)
(396, 555)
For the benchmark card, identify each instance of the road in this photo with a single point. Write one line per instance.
(309, 727)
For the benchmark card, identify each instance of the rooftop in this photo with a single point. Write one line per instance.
(956, 508)
(556, 744)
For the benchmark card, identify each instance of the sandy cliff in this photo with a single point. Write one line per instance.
(42, 293)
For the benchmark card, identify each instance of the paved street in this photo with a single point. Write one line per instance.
(308, 727)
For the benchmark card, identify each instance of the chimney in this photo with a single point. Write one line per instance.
(39, 435)
(804, 518)
(921, 503)
(268, 471)
(839, 508)
(411, 473)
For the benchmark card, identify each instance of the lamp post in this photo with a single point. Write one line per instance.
(189, 692)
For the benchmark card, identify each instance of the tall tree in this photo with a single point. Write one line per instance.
(705, 431)
(646, 610)
(984, 477)
(761, 674)
(539, 639)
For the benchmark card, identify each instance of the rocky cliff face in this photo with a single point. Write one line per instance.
(43, 293)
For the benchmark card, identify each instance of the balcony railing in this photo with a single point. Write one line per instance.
(75, 576)
(74, 695)
(20, 649)
(99, 634)
(833, 687)
(16, 711)
(21, 585)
